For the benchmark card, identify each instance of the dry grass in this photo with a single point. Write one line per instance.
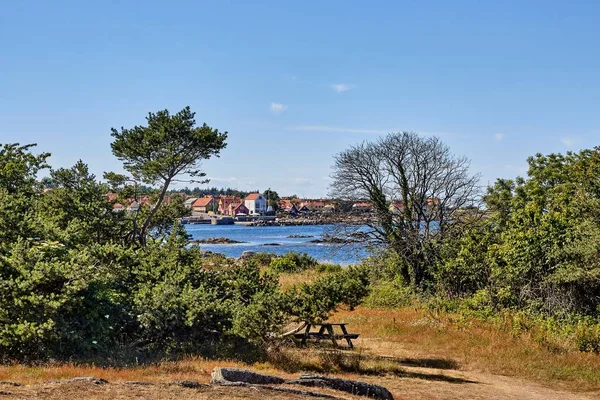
(288, 280)
(189, 369)
(475, 346)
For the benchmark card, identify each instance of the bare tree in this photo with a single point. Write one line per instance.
(419, 192)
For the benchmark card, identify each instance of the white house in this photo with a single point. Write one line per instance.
(256, 204)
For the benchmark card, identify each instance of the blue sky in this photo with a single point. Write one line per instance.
(296, 82)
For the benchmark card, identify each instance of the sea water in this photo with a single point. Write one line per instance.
(257, 236)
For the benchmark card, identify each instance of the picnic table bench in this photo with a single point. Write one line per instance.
(324, 332)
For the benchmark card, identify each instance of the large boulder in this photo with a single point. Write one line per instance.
(344, 385)
(222, 376)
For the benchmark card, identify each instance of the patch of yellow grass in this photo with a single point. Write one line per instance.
(287, 280)
(476, 345)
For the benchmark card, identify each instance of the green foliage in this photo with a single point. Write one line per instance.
(314, 302)
(263, 258)
(328, 268)
(169, 146)
(18, 188)
(587, 337)
(389, 294)
(539, 248)
(73, 287)
(293, 262)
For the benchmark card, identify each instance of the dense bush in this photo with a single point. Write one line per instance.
(74, 285)
(314, 302)
(293, 262)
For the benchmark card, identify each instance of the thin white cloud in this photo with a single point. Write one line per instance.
(303, 181)
(342, 87)
(499, 137)
(569, 141)
(326, 128)
(278, 108)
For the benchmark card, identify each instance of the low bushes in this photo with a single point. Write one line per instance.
(293, 262)
(109, 302)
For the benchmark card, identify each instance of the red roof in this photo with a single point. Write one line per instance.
(202, 201)
(253, 196)
(111, 196)
(285, 204)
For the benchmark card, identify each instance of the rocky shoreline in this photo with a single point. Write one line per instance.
(217, 240)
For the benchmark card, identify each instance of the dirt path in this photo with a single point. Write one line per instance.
(440, 378)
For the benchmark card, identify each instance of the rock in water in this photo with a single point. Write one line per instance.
(227, 375)
(247, 255)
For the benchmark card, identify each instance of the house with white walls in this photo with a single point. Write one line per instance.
(256, 204)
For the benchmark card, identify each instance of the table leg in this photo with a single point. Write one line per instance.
(305, 334)
(320, 333)
(330, 330)
(347, 339)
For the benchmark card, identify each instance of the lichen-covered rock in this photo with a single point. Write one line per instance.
(10, 383)
(227, 375)
(88, 379)
(188, 384)
(345, 385)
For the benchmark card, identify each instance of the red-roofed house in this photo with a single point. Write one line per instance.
(314, 205)
(205, 204)
(361, 206)
(238, 208)
(225, 202)
(287, 206)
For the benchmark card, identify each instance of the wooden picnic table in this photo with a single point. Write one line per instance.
(325, 331)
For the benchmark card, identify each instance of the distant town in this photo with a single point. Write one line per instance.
(254, 208)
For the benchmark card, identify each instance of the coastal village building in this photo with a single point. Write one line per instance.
(329, 208)
(313, 205)
(238, 209)
(256, 204)
(361, 207)
(286, 206)
(232, 206)
(225, 203)
(189, 203)
(205, 204)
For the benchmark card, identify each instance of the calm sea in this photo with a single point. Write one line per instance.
(257, 236)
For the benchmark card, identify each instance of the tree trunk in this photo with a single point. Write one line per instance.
(148, 220)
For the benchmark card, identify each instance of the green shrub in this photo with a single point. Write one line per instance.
(263, 258)
(587, 337)
(328, 268)
(389, 294)
(315, 301)
(293, 262)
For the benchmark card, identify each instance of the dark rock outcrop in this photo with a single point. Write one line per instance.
(218, 240)
(242, 377)
(87, 379)
(5, 383)
(225, 375)
(344, 385)
(188, 384)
